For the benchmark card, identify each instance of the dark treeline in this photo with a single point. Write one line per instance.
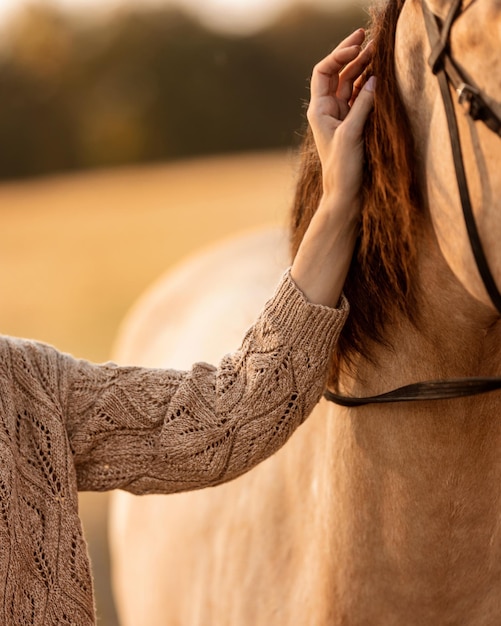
(152, 85)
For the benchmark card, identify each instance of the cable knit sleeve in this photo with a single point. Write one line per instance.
(164, 431)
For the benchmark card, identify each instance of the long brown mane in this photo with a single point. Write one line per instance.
(380, 279)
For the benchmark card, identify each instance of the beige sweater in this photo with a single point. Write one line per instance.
(69, 425)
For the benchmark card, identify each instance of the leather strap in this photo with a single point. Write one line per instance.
(429, 390)
(439, 39)
(471, 226)
(438, 64)
(480, 106)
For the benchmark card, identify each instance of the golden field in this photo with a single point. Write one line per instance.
(77, 250)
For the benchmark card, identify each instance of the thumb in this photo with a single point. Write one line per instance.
(362, 106)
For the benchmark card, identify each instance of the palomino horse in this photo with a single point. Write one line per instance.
(383, 514)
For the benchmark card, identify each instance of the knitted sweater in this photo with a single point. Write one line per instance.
(68, 425)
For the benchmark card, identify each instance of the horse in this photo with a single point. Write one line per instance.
(385, 513)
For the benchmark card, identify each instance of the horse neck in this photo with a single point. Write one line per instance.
(454, 335)
(416, 491)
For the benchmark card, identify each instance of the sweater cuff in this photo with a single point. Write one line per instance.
(303, 320)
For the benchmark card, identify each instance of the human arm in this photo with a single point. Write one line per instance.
(319, 271)
(165, 431)
(337, 114)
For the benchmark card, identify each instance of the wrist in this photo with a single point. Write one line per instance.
(340, 214)
(324, 256)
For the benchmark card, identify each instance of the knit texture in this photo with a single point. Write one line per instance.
(69, 425)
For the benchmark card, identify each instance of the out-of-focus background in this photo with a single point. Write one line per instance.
(132, 134)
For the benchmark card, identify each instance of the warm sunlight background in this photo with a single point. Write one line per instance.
(239, 15)
(78, 248)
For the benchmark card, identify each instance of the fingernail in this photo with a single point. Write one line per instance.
(370, 85)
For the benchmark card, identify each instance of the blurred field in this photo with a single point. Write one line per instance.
(78, 250)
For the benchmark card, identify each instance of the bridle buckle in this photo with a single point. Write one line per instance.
(468, 97)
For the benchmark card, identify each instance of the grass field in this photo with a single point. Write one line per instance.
(78, 250)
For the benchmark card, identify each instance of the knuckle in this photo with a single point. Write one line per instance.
(312, 114)
(317, 68)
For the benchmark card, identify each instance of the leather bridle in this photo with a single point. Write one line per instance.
(480, 108)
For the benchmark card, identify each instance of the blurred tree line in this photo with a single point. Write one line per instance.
(152, 85)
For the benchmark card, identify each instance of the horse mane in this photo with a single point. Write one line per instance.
(380, 282)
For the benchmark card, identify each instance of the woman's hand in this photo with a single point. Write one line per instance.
(337, 114)
(338, 110)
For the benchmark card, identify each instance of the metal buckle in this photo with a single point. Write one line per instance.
(467, 95)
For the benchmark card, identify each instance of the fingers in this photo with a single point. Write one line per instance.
(361, 109)
(353, 72)
(325, 76)
(336, 79)
(357, 87)
(335, 98)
